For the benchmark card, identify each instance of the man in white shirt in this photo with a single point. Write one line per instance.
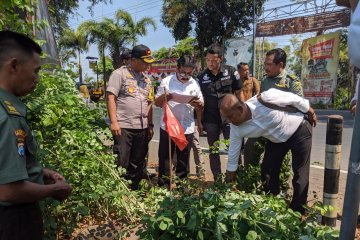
(291, 129)
(180, 83)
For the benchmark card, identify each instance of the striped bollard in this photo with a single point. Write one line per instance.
(332, 167)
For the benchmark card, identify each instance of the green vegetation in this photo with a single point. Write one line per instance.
(68, 135)
(226, 214)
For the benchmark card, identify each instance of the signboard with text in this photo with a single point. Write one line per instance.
(162, 68)
(320, 58)
(297, 25)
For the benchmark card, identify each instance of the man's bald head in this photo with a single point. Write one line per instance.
(234, 110)
(228, 104)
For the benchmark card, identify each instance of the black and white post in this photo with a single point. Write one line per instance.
(332, 168)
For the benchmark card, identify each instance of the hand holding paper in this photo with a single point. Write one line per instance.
(180, 98)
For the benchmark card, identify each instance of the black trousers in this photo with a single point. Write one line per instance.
(182, 168)
(21, 222)
(131, 147)
(300, 145)
(213, 131)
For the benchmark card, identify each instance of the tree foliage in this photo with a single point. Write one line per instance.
(17, 16)
(115, 34)
(208, 20)
(184, 47)
(61, 10)
(74, 40)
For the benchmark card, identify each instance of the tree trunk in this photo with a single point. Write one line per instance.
(202, 59)
(80, 69)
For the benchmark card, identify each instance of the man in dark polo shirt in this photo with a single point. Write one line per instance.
(21, 176)
(215, 82)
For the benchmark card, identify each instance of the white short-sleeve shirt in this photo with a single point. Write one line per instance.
(182, 111)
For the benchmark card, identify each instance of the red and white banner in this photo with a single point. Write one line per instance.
(320, 57)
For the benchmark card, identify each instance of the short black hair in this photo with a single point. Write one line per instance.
(279, 55)
(215, 48)
(242, 64)
(186, 61)
(13, 41)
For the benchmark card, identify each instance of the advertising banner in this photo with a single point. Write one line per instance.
(162, 68)
(238, 50)
(297, 25)
(320, 59)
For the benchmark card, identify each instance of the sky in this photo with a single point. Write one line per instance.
(151, 8)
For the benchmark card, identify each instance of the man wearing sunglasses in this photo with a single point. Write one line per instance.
(180, 83)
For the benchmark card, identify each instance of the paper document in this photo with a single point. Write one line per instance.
(177, 97)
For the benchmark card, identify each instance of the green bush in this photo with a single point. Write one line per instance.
(225, 214)
(68, 135)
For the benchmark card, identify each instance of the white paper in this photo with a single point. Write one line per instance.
(180, 98)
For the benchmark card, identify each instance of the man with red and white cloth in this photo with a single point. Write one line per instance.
(177, 118)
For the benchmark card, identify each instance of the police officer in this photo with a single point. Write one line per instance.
(129, 102)
(21, 176)
(215, 82)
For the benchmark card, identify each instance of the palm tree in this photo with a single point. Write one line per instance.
(134, 29)
(74, 40)
(114, 34)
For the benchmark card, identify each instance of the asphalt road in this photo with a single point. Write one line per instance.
(318, 145)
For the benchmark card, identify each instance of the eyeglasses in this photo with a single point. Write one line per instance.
(184, 76)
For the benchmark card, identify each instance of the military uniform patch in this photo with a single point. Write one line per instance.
(20, 139)
(10, 108)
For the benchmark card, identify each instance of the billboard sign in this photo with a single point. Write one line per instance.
(297, 25)
(320, 59)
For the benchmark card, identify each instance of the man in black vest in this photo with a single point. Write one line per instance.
(215, 82)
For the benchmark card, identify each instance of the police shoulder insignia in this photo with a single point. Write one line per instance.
(10, 108)
(20, 140)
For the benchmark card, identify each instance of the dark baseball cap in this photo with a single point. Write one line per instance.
(142, 52)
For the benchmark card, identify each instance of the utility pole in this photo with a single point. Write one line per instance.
(254, 43)
(352, 191)
(104, 69)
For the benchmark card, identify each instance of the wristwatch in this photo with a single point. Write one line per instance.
(151, 125)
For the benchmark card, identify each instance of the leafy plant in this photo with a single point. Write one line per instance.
(225, 214)
(69, 133)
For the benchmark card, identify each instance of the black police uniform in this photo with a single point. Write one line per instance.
(214, 88)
